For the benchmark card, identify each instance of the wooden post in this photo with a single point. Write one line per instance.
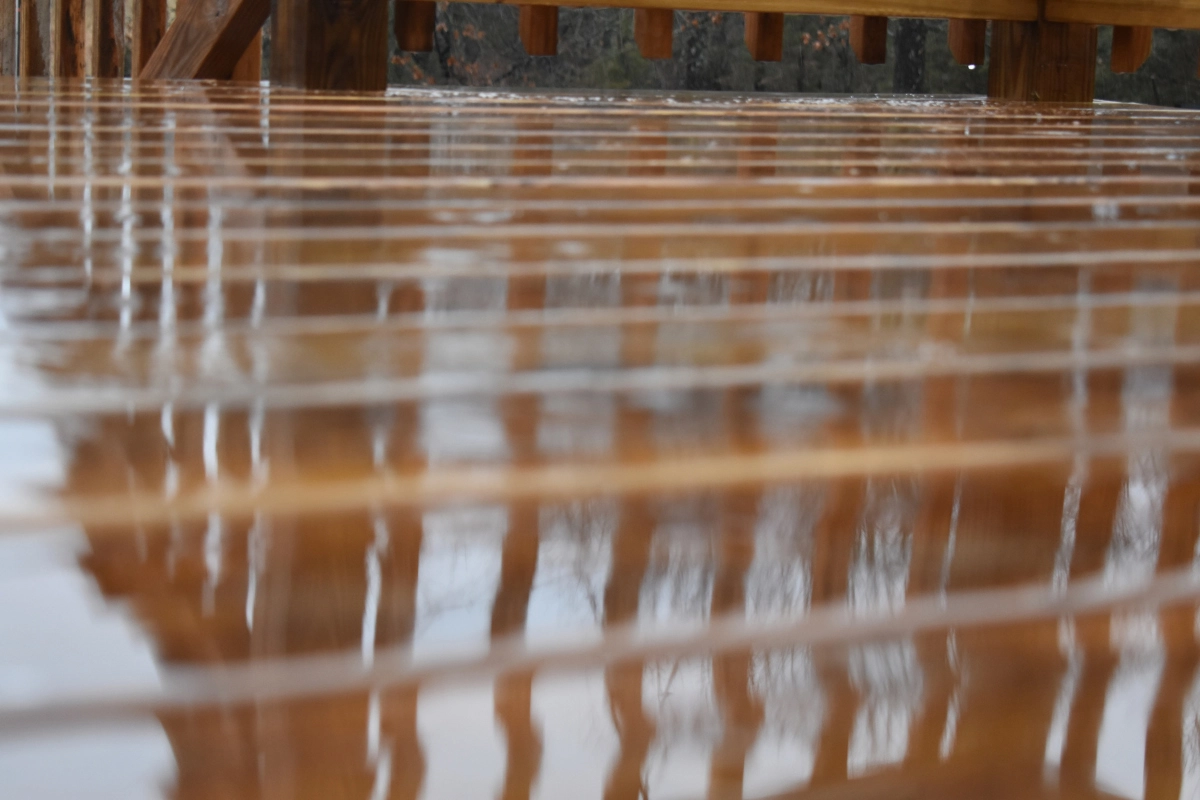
(538, 26)
(868, 39)
(34, 56)
(149, 25)
(8, 37)
(1050, 62)
(653, 29)
(105, 55)
(1131, 46)
(764, 36)
(68, 37)
(415, 20)
(329, 44)
(968, 41)
(248, 69)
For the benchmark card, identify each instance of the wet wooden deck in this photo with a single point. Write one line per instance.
(511, 445)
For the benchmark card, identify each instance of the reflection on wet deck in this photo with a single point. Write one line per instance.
(440, 445)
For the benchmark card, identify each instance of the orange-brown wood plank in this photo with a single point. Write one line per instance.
(1131, 46)
(968, 41)
(764, 35)
(868, 38)
(330, 44)
(1154, 13)
(538, 29)
(930, 9)
(414, 22)
(33, 52)
(106, 38)
(8, 37)
(1046, 61)
(68, 39)
(249, 66)
(1148, 13)
(207, 38)
(149, 23)
(653, 28)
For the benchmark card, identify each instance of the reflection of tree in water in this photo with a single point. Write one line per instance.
(1191, 742)
(575, 555)
(679, 577)
(883, 546)
(779, 581)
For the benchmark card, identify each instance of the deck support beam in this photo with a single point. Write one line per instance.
(538, 28)
(1131, 46)
(249, 67)
(330, 44)
(764, 36)
(868, 39)
(8, 37)
(105, 53)
(68, 37)
(149, 25)
(653, 28)
(414, 22)
(1050, 62)
(968, 41)
(33, 56)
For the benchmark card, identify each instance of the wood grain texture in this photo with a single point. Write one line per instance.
(654, 452)
(931, 9)
(1155, 13)
(1148, 13)
(149, 23)
(206, 39)
(538, 28)
(68, 39)
(653, 29)
(415, 21)
(8, 37)
(34, 50)
(968, 41)
(106, 38)
(330, 44)
(1047, 62)
(1131, 46)
(249, 66)
(868, 38)
(764, 35)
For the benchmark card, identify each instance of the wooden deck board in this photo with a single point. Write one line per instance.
(431, 442)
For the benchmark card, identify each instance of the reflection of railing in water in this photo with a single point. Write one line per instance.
(752, 360)
(729, 678)
(720, 559)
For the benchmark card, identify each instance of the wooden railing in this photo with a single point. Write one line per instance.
(1042, 49)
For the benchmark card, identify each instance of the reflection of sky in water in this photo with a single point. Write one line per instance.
(73, 642)
(459, 574)
(779, 581)
(56, 636)
(1121, 749)
(464, 751)
(579, 742)
(679, 696)
(574, 561)
(794, 711)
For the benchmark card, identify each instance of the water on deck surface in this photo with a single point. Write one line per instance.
(466, 445)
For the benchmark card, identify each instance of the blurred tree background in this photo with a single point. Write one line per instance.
(478, 45)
